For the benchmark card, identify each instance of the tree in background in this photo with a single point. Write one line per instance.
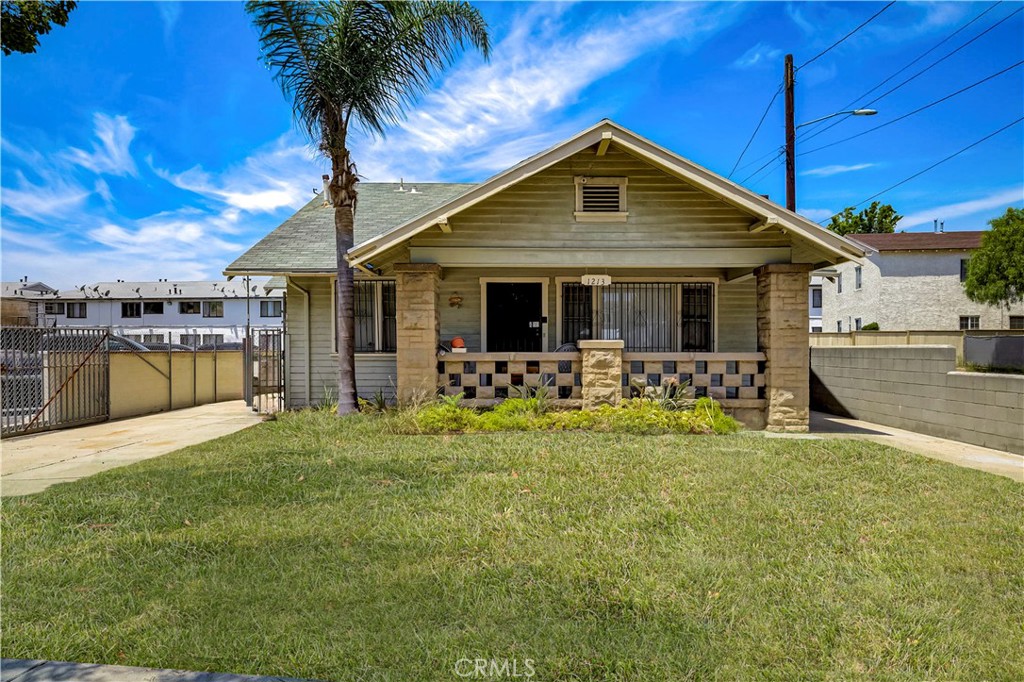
(23, 21)
(876, 218)
(357, 63)
(995, 272)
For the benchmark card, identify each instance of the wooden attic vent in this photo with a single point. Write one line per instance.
(600, 199)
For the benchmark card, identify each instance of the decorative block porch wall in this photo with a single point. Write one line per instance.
(783, 337)
(418, 328)
(485, 377)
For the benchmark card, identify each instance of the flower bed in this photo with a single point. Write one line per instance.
(636, 415)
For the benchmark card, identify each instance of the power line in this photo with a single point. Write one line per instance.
(921, 72)
(759, 159)
(835, 44)
(777, 158)
(915, 111)
(937, 163)
(907, 66)
(754, 134)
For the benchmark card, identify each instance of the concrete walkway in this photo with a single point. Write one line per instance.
(30, 464)
(962, 454)
(24, 670)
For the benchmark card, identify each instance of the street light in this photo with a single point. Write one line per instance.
(853, 112)
(791, 132)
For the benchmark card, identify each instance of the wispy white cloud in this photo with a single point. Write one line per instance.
(994, 204)
(112, 155)
(281, 175)
(816, 214)
(170, 12)
(486, 116)
(826, 171)
(61, 221)
(758, 55)
(182, 231)
(54, 198)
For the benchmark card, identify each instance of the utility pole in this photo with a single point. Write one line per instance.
(790, 136)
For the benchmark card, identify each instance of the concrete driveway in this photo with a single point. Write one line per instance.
(30, 464)
(962, 454)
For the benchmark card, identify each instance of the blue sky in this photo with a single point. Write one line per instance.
(145, 140)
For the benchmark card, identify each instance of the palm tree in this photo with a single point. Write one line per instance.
(357, 63)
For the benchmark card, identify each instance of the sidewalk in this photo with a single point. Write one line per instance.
(31, 464)
(24, 670)
(962, 454)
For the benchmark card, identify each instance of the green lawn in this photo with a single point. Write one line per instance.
(324, 548)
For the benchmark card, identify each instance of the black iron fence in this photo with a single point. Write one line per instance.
(53, 378)
(263, 364)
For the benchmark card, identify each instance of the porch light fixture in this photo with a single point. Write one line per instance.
(455, 301)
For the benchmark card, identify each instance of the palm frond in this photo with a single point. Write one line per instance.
(361, 62)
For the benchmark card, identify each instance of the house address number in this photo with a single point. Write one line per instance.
(597, 280)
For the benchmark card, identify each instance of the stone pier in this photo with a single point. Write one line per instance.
(782, 335)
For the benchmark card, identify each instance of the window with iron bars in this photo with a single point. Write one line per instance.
(650, 317)
(375, 316)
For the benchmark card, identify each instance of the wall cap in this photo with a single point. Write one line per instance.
(598, 344)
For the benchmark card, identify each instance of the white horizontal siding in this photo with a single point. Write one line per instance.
(376, 373)
(373, 372)
(664, 212)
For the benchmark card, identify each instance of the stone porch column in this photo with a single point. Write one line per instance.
(782, 335)
(601, 364)
(418, 329)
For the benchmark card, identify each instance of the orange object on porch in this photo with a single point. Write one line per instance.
(458, 342)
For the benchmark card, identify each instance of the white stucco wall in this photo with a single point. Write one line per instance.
(907, 290)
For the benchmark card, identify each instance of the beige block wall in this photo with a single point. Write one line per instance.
(916, 388)
(139, 383)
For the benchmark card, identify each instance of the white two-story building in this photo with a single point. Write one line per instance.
(909, 281)
(168, 311)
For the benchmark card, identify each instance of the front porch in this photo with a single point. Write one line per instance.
(728, 341)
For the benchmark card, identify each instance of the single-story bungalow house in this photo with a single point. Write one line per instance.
(604, 263)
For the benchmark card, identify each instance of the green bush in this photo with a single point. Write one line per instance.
(870, 327)
(446, 416)
(635, 415)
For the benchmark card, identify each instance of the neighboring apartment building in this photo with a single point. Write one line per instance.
(165, 311)
(814, 303)
(22, 302)
(910, 281)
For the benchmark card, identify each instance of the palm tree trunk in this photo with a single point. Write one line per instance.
(343, 196)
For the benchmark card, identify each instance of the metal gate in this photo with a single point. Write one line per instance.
(51, 378)
(264, 363)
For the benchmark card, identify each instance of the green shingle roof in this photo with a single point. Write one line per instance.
(305, 241)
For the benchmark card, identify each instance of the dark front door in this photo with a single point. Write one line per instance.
(514, 320)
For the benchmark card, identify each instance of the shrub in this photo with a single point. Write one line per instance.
(870, 327)
(446, 416)
(635, 415)
(711, 415)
